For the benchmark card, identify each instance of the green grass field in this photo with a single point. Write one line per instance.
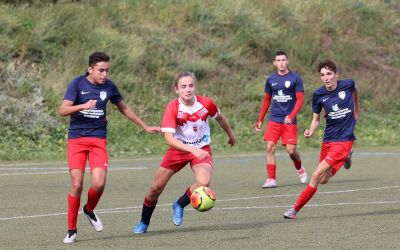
(358, 209)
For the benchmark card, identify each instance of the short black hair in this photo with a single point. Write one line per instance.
(281, 53)
(98, 57)
(327, 64)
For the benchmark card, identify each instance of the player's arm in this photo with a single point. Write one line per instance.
(299, 103)
(223, 122)
(131, 115)
(356, 102)
(263, 110)
(313, 126)
(67, 107)
(171, 141)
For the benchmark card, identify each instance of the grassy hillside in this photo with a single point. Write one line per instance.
(228, 44)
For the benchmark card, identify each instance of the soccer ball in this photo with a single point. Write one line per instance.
(203, 199)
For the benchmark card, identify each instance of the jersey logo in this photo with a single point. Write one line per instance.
(335, 107)
(287, 84)
(325, 99)
(103, 95)
(195, 128)
(342, 95)
(273, 84)
(280, 92)
(84, 93)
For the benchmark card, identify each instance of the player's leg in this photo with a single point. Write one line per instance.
(94, 194)
(74, 200)
(98, 161)
(271, 137)
(161, 178)
(320, 175)
(289, 138)
(348, 162)
(77, 156)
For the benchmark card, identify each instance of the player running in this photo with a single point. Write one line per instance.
(187, 132)
(85, 101)
(285, 88)
(339, 98)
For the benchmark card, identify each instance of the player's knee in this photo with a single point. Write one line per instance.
(76, 188)
(155, 191)
(98, 186)
(271, 148)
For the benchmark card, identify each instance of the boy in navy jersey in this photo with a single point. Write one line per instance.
(285, 88)
(85, 101)
(339, 98)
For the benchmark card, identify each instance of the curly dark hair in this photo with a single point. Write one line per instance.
(327, 64)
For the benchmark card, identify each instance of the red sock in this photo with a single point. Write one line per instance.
(297, 164)
(271, 171)
(304, 197)
(93, 199)
(72, 212)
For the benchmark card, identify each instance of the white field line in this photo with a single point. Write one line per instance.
(222, 156)
(163, 206)
(66, 171)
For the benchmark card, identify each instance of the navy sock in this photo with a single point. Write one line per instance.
(147, 212)
(184, 200)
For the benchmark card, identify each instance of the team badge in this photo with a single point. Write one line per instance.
(195, 128)
(103, 95)
(287, 84)
(335, 107)
(342, 95)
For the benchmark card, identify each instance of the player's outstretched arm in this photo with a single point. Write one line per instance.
(128, 113)
(313, 126)
(67, 107)
(223, 122)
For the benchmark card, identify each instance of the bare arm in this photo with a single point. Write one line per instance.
(128, 113)
(228, 130)
(171, 141)
(356, 103)
(313, 126)
(67, 107)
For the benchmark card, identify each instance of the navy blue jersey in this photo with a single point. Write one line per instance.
(339, 110)
(91, 122)
(283, 92)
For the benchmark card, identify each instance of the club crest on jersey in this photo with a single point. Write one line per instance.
(195, 128)
(335, 107)
(342, 95)
(103, 95)
(287, 84)
(280, 92)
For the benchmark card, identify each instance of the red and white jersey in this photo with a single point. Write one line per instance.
(189, 123)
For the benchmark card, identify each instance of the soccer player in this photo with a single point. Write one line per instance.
(339, 98)
(285, 88)
(186, 131)
(85, 101)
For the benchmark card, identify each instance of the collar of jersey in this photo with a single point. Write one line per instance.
(195, 100)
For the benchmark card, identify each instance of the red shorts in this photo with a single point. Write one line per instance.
(81, 149)
(275, 130)
(335, 154)
(176, 159)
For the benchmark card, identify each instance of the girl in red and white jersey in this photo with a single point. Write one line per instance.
(186, 131)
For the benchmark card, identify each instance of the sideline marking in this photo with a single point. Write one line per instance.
(66, 171)
(139, 208)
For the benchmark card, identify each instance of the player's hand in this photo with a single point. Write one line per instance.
(232, 140)
(308, 133)
(152, 130)
(200, 153)
(258, 126)
(90, 104)
(288, 120)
